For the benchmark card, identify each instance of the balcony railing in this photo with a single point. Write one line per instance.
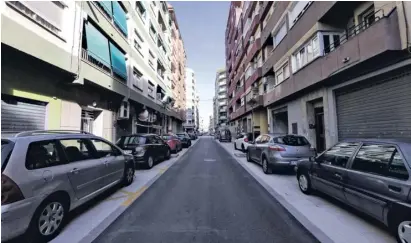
(103, 66)
(355, 30)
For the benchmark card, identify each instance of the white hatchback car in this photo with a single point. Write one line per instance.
(242, 141)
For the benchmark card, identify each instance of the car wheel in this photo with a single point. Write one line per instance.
(235, 146)
(266, 167)
(150, 162)
(48, 220)
(242, 148)
(168, 154)
(304, 183)
(128, 176)
(249, 156)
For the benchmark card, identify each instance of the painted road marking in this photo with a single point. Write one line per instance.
(133, 196)
(209, 160)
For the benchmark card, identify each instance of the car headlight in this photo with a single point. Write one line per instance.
(140, 151)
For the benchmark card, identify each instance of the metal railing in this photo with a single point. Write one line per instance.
(102, 65)
(355, 30)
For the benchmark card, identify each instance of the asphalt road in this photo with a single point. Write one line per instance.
(206, 197)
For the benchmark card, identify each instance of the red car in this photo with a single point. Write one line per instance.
(173, 142)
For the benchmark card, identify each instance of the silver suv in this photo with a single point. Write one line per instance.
(46, 174)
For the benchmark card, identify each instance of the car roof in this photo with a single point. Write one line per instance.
(48, 136)
(381, 140)
(140, 135)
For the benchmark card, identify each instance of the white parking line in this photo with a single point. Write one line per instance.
(89, 224)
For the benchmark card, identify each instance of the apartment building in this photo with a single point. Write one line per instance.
(333, 70)
(220, 104)
(243, 68)
(102, 67)
(192, 114)
(178, 64)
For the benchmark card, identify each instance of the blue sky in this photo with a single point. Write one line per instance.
(202, 25)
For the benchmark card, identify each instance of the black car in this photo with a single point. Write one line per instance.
(225, 136)
(185, 139)
(147, 149)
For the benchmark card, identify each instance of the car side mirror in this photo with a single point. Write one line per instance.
(312, 159)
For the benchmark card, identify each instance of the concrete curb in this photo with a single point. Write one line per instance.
(309, 225)
(94, 233)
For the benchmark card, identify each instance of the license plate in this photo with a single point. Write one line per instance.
(128, 151)
(293, 162)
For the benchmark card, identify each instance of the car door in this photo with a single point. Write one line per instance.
(376, 178)
(163, 146)
(85, 172)
(253, 148)
(157, 148)
(260, 147)
(112, 159)
(330, 169)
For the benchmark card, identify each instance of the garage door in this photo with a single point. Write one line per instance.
(18, 115)
(378, 110)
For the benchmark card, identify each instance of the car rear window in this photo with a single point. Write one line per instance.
(6, 149)
(292, 140)
(134, 140)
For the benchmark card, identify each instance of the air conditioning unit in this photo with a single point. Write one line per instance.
(124, 111)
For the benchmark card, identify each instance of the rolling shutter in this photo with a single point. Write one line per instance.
(18, 116)
(378, 110)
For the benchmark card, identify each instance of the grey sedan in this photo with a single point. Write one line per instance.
(274, 151)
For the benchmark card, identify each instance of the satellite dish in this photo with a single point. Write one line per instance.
(143, 116)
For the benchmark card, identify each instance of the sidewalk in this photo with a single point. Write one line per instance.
(327, 220)
(88, 221)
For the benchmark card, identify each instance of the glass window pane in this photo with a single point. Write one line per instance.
(373, 158)
(42, 155)
(397, 168)
(339, 154)
(77, 149)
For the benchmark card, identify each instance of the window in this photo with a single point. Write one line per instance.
(141, 9)
(153, 32)
(381, 160)
(77, 149)
(151, 59)
(306, 54)
(279, 36)
(105, 149)
(297, 11)
(242, 101)
(134, 140)
(137, 79)
(339, 154)
(294, 128)
(282, 74)
(42, 155)
(137, 42)
(331, 41)
(151, 89)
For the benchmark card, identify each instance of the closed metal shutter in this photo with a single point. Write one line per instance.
(379, 109)
(18, 116)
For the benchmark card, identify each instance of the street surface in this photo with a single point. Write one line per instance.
(206, 196)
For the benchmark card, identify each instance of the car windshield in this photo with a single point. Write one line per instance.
(292, 141)
(134, 140)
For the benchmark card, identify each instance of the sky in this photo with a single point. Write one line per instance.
(202, 26)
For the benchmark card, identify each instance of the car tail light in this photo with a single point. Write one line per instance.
(246, 140)
(10, 192)
(276, 148)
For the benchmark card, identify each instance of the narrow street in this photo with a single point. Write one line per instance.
(205, 197)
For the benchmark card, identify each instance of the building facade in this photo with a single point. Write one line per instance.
(102, 67)
(326, 70)
(220, 105)
(191, 123)
(178, 64)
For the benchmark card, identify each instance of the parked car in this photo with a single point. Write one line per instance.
(217, 135)
(173, 142)
(242, 141)
(371, 175)
(193, 136)
(275, 151)
(225, 136)
(47, 174)
(147, 149)
(185, 139)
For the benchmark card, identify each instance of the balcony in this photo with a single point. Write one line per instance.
(257, 102)
(256, 46)
(253, 78)
(236, 114)
(253, 27)
(367, 48)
